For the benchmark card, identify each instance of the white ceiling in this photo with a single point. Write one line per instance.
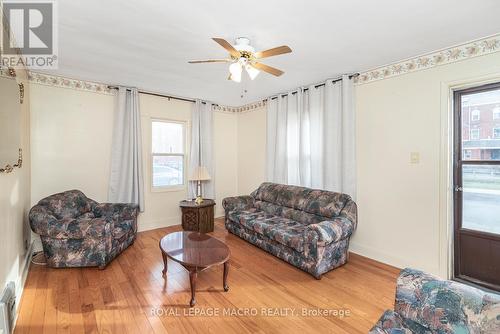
(147, 43)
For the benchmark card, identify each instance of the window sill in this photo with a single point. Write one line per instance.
(168, 189)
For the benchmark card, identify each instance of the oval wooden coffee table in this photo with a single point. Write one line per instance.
(196, 252)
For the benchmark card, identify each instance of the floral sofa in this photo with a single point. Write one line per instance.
(427, 304)
(79, 232)
(308, 228)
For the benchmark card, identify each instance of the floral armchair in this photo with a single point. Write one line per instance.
(79, 232)
(426, 304)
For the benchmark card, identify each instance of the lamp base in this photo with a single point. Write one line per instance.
(198, 200)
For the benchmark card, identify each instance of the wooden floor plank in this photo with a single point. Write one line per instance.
(131, 296)
(28, 298)
(75, 304)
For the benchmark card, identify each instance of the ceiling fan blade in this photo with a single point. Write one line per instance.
(268, 69)
(272, 52)
(225, 44)
(210, 61)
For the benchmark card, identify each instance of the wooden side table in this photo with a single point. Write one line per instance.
(196, 217)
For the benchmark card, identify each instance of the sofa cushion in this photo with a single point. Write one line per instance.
(282, 230)
(391, 323)
(318, 202)
(290, 213)
(68, 204)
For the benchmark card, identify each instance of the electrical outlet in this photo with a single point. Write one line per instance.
(8, 308)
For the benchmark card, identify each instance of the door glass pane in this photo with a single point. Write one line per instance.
(481, 126)
(168, 171)
(481, 198)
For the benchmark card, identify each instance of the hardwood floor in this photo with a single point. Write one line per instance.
(130, 295)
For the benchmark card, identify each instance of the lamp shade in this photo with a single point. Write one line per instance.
(200, 173)
(252, 71)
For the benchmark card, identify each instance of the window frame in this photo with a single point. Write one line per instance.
(179, 187)
(467, 154)
(471, 137)
(496, 113)
(475, 112)
(493, 134)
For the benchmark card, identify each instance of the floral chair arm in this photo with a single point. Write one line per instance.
(350, 211)
(237, 203)
(332, 230)
(445, 306)
(40, 219)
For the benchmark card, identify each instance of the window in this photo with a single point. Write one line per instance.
(467, 154)
(476, 115)
(167, 156)
(496, 112)
(474, 134)
(496, 133)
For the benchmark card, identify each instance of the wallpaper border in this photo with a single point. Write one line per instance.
(445, 56)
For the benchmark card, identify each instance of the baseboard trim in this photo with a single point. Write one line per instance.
(171, 221)
(386, 258)
(21, 281)
(377, 255)
(154, 224)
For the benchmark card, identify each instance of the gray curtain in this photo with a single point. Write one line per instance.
(201, 153)
(126, 184)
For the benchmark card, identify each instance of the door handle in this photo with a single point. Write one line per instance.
(458, 188)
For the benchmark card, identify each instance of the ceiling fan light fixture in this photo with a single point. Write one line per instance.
(243, 55)
(235, 69)
(252, 71)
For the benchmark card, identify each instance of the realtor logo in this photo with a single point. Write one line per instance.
(29, 28)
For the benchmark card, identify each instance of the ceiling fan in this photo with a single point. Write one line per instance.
(243, 55)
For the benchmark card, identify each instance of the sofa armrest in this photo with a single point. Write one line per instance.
(116, 211)
(350, 212)
(40, 219)
(445, 306)
(332, 230)
(388, 323)
(237, 203)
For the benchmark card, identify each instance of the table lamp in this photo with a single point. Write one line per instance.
(199, 174)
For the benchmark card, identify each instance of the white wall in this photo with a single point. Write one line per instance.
(15, 205)
(10, 138)
(226, 158)
(70, 141)
(251, 150)
(71, 144)
(402, 206)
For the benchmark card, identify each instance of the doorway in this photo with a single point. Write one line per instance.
(477, 185)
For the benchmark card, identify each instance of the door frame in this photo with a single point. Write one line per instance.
(445, 230)
(458, 164)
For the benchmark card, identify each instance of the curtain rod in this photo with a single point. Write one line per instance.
(166, 96)
(315, 86)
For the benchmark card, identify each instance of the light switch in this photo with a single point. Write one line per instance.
(414, 157)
